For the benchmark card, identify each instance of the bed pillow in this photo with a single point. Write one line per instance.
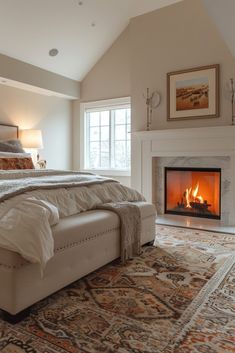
(13, 146)
(14, 155)
(11, 163)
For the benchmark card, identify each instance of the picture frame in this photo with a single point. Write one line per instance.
(193, 93)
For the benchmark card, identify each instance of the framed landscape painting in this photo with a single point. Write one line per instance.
(193, 93)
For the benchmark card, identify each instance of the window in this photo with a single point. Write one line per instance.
(107, 126)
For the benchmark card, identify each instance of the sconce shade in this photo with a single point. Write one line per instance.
(31, 139)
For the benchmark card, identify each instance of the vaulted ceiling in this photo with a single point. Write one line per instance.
(223, 14)
(82, 30)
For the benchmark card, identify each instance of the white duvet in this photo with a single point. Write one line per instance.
(25, 227)
(26, 220)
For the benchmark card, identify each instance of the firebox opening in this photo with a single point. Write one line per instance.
(193, 192)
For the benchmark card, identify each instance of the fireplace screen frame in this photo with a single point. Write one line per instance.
(191, 169)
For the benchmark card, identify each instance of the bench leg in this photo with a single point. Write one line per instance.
(14, 319)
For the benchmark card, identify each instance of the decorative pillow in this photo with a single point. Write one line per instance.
(15, 142)
(16, 163)
(13, 146)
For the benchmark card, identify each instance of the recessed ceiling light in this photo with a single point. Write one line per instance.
(53, 52)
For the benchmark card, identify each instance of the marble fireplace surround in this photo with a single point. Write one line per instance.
(195, 147)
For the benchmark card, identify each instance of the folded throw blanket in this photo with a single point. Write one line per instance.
(130, 218)
(48, 179)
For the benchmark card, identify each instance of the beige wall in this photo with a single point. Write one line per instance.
(51, 114)
(176, 37)
(109, 78)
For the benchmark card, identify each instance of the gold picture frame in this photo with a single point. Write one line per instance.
(193, 93)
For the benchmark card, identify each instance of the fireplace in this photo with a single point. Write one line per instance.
(193, 192)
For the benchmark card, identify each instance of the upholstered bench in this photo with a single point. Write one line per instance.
(83, 243)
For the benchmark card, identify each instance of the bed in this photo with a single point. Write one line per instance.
(84, 238)
(8, 132)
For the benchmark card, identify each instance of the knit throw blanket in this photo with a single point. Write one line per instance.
(19, 182)
(16, 183)
(130, 219)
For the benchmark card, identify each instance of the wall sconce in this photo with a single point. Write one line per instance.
(32, 141)
(152, 101)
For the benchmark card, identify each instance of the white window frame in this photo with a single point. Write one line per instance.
(99, 105)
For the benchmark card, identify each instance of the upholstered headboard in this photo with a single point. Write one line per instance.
(8, 132)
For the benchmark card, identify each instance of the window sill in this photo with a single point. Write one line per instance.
(109, 172)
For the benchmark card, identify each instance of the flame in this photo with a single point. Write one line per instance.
(195, 190)
(187, 196)
(191, 195)
(200, 199)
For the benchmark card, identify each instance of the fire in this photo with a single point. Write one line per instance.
(191, 195)
(195, 190)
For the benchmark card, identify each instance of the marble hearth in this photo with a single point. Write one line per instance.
(210, 147)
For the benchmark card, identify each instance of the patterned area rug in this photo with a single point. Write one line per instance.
(178, 296)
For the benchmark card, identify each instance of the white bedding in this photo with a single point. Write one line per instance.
(25, 227)
(26, 219)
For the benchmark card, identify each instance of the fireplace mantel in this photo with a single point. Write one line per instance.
(189, 142)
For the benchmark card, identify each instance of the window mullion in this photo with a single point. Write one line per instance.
(87, 149)
(110, 140)
(126, 137)
(100, 140)
(113, 137)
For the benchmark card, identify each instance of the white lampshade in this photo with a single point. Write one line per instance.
(31, 139)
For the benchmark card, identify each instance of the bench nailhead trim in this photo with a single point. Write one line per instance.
(72, 245)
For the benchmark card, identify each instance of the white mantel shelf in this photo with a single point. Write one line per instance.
(188, 142)
(204, 131)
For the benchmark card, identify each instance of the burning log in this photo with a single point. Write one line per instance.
(200, 206)
(191, 200)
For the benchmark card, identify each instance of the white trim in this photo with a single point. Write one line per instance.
(82, 136)
(106, 103)
(217, 141)
(101, 108)
(96, 105)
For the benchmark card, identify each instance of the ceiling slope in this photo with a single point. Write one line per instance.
(81, 33)
(223, 13)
